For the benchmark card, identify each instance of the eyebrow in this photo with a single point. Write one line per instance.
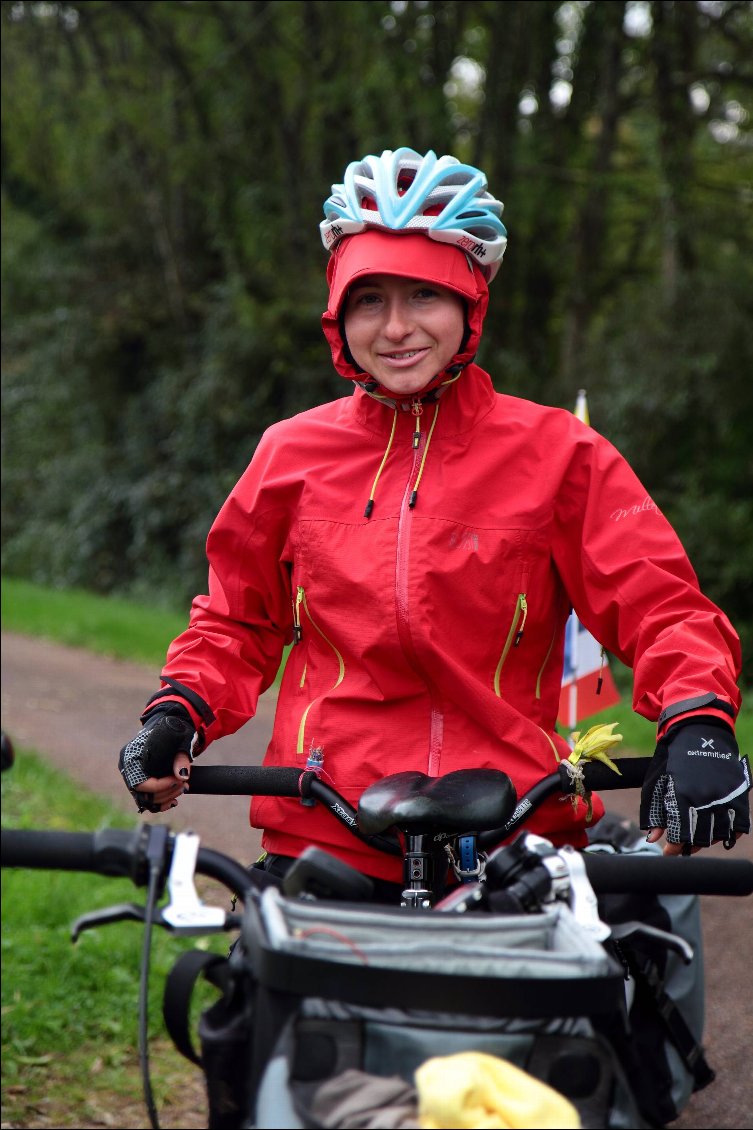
(365, 284)
(361, 284)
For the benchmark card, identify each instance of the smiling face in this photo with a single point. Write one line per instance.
(402, 331)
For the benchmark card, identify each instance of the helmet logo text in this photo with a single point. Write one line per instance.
(474, 248)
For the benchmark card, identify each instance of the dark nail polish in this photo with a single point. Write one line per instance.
(183, 772)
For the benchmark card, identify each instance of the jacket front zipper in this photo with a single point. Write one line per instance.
(436, 723)
(300, 601)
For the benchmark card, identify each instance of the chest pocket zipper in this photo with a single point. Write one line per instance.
(543, 665)
(300, 601)
(514, 636)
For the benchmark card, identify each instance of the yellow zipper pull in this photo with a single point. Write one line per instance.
(417, 409)
(523, 605)
(297, 629)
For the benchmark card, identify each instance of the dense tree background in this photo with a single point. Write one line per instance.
(163, 169)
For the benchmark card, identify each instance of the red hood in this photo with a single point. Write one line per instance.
(407, 255)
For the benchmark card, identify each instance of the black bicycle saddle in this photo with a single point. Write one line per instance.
(468, 800)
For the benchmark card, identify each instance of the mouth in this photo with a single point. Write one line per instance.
(403, 356)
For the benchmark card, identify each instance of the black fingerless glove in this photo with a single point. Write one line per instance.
(697, 784)
(167, 731)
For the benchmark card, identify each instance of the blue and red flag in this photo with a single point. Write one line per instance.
(587, 682)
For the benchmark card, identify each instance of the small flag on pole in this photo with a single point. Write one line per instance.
(587, 682)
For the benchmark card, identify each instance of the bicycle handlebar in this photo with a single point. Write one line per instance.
(124, 854)
(248, 780)
(255, 780)
(115, 853)
(283, 781)
(109, 852)
(130, 854)
(668, 875)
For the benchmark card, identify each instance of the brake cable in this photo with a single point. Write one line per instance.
(155, 855)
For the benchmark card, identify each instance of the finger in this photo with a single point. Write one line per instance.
(160, 790)
(158, 785)
(730, 842)
(680, 849)
(182, 767)
(654, 835)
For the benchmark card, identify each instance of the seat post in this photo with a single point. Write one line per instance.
(418, 871)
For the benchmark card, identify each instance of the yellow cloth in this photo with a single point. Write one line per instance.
(474, 1091)
(593, 745)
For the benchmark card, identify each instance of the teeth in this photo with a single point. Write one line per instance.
(403, 356)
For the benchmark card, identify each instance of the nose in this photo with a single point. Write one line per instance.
(398, 320)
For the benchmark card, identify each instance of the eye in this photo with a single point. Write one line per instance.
(425, 293)
(364, 298)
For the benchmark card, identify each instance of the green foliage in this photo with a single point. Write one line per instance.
(685, 429)
(106, 625)
(114, 626)
(163, 171)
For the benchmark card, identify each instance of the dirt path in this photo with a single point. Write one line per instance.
(78, 710)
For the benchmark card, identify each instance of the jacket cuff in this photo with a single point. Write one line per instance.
(174, 691)
(162, 700)
(707, 704)
(197, 709)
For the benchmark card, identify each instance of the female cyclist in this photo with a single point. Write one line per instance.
(421, 542)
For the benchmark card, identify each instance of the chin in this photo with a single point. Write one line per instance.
(405, 388)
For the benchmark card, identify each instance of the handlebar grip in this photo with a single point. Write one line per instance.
(61, 851)
(662, 875)
(111, 851)
(245, 780)
(600, 778)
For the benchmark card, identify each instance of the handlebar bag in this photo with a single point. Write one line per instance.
(379, 990)
(664, 1060)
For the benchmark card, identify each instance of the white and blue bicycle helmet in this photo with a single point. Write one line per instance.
(403, 191)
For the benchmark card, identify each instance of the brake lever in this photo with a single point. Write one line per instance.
(186, 913)
(123, 912)
(626, 931)
(583, 901)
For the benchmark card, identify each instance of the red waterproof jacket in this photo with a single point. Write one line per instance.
(431, 637)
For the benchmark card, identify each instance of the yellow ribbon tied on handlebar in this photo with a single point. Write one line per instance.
(592, 746)
(475, 1091)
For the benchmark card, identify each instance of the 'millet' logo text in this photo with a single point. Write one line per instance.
(625, 512)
